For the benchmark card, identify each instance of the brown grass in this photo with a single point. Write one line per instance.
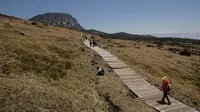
(154, 63)
(45, 68)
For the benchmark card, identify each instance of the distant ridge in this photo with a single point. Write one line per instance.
(119, 35)
(8, 17)
(193, 35)
(147, 38)
(96, 32)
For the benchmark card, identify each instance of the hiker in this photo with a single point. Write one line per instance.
(100, 71)
(92, 41)
(83, 39)
(166, 88)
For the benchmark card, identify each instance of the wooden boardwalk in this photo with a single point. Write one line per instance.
(139, 86)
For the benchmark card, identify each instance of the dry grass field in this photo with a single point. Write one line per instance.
(153, 63)
(45, 68)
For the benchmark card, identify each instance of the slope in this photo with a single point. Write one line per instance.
(46, 68)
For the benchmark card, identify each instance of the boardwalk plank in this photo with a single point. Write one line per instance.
(129, 77)
(126, 73)
(135, 83)
(182, 109)
(139, 82)
(123, 75)
(152, 97)
(134, 79)
(146, 92)
(173, 106)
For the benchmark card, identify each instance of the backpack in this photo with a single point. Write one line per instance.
(169, 87)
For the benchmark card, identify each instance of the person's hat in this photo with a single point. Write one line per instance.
(164, 78)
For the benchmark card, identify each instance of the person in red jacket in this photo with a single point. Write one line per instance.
(166, 88)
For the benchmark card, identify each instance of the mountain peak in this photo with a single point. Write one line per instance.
(58, 19)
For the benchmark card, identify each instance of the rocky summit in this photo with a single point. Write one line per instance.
(58, 19)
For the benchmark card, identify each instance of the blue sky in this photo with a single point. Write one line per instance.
(133, 16)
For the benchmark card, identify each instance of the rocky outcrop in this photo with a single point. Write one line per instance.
(58, 19)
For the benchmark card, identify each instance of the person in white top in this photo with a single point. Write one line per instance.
(100, 71)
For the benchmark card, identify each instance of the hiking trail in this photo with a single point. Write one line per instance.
(143, 89)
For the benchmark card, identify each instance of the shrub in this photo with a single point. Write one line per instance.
(185, 52)
(174, 50)
(138, 47)
(150, 45)
(110, 45)
(169, 56)
(138, 41)
(34, 23)
(7, 25)
(82, 49)
(122, 46)
(159, 45)
(106, 47)
(109, 40)
(22, 34)
(59, 69)
(41, 26)
(45, 24)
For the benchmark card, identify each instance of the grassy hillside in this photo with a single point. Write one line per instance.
(45, 68)
(155, 62)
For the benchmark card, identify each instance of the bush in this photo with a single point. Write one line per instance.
(174, 50)
(7, 25)
(106, 47)
(22, 33)
(121, 46)
(59, 69)
(160, 45)
(149, 45)
(138, 47)
(34, 23)
(45, 24)
(185, 52)
(169, 56)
